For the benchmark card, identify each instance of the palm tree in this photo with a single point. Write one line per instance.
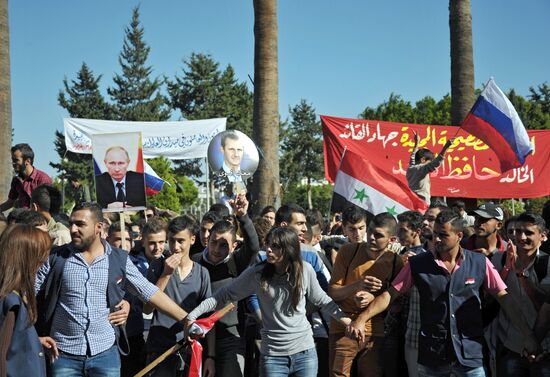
(266, 103)
(462, 61)
(5, 103)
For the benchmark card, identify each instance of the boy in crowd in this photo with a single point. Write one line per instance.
(187, 283)
(360, 271)
(421, 164)
(224, 263)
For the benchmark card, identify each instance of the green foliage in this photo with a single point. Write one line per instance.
(82, 99)
(321, 196)
(136, 96)
(532, 110)
(205, 91)
(426, 111)
(169, 197)
(302, 145)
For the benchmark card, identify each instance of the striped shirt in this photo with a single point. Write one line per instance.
(80, 325)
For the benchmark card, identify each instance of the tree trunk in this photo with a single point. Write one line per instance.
(265, 131)
(5, 103)
(309, 194)
(462, 61)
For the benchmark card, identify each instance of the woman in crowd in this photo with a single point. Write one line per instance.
(281, 284)
(23, 249)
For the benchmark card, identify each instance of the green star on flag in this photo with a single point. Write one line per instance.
(360, 195)
(391, 211)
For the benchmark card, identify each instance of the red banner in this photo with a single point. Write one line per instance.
(470, 168)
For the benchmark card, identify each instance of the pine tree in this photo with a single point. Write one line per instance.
(204, 91)
(82, 99)
(302, 147)
(136, 96)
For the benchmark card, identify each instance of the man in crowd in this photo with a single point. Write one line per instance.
(79, 292)
(360, 271)
(449, 281)
(26, 179)
(409, 229)
(524, 269)
(46, 200)
(460, 208)
(488, 222)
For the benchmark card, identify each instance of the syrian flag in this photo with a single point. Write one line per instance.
(494, 120)
(361, 183)
(203, 326)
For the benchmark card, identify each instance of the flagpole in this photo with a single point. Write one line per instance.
(339, 166)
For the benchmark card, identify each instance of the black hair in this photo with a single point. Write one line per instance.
(15, 214)
(26, 151)
(115, 227)
(414, 219)
(31, 218)
(181, 223)
(48, 198)
(385, 220)
(284, 213)
(267, 209)
(314, 217)
(93, 207)
(211, 217)
(220, 209)
(423, 153)
(287, 241)
(353, 214)
(450, 216)
(458, 204)
(223, 226)
(531, 218)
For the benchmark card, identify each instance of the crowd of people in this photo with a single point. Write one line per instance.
(439, 293)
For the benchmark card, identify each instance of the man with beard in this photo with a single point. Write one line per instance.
(486, 239)
(428, 225)
(79, 290)
(26, 180)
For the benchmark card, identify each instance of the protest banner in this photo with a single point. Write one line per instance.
(470, 168)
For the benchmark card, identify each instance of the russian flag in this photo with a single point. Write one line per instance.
(494, 120)
(153, 183)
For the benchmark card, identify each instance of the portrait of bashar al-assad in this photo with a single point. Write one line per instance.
(119, 187)
(232, 148)
(232, 155)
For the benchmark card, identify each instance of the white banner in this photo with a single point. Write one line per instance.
(173, 140)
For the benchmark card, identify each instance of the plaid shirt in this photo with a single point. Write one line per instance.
(413, 313)
(80, 324)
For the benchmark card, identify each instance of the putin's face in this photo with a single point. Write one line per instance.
(117, 161)
(233, 153)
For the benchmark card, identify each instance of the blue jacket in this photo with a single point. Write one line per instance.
(25, 355)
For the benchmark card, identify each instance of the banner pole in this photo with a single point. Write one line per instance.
(122, 233)
(339, 166)
(207, 184)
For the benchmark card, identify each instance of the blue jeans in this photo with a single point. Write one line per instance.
(510, 363)
(454, 369)
(301, 364)
(104, 364)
